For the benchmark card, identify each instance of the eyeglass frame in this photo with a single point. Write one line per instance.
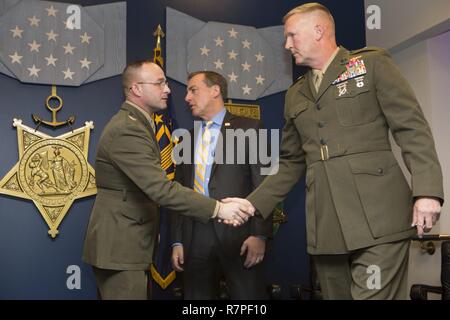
(161, 83)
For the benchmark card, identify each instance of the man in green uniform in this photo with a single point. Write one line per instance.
(131, 185)
(360, 211)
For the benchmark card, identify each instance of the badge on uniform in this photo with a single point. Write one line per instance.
(360, 82)
(342, 88)
(355, 69)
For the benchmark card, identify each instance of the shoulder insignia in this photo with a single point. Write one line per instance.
(366, 49)
(297, 80)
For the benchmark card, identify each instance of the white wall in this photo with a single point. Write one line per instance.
(406, 22)
(413, 31)
(421, 72)
(439, 65)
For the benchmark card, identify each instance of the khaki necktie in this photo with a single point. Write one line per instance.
(203, 153)
(317, 80)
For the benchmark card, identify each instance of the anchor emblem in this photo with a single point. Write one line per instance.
(53, 123)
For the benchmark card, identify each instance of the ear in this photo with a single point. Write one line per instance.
(318, 31)
(136, 90)
(216, 91)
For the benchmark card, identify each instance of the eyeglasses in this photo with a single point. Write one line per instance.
(162, 83)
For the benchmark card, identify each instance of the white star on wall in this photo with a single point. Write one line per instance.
(232, 55)
(246, 89)
(246, 44)
(51, 60)
(218, 64)
(34, 46)
(34, 21)
(204, 51)
(68, 25)
(33, 71)
(260, 80)
(85, 38)
(51, 35)
(219, 42)
(17, 32)
(15, 58)
(233, 77)
(51, 11)
(259, 57)
(68, 74)
(246, 66)
(68, 48)
(85, 63)
(233, 33)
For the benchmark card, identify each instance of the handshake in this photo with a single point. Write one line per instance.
(235, 211)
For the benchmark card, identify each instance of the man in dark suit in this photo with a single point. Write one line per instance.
(360, 211)
(205, 251)
(131, 185)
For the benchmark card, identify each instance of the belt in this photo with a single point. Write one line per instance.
(327, 152)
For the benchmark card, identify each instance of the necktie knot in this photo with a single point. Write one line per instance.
(317, 79)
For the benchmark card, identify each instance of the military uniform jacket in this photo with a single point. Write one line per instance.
(124, 221)
(356, 194)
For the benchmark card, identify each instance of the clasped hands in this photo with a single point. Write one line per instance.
(235, 211)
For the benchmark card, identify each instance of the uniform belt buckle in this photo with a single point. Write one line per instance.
(324, 155)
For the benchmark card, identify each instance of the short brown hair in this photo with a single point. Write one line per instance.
(308, 8)
(129, 73)
(211, 79)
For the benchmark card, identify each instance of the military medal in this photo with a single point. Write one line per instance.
(355, 68)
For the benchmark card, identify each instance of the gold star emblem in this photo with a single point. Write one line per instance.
(158, 118)
(52, 171)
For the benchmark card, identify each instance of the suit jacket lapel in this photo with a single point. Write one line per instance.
(305, 86)
(141, 118)
(336, 68)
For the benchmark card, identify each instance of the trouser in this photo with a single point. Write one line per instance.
(379, 272)
(207, 262)
(122, 284)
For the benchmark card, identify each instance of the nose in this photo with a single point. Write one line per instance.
(288, 43)
(188, 97)
(167, 89)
